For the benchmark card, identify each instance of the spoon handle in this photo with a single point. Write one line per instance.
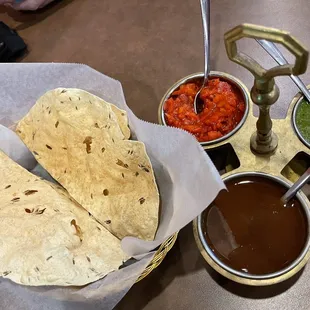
(296, 186)
(205, 13)
(275, 53)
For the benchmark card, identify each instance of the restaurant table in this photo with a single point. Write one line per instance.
(148, 45)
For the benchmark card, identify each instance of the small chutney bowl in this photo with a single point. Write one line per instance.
(296, 108)
(247, 278)
(199, 76)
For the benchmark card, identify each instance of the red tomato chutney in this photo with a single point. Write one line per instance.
(223, 109)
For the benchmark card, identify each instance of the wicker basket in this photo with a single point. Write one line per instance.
(159, 256)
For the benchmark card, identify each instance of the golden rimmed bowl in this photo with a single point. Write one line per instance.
(294, 123)
(246, 278)
(199, 76)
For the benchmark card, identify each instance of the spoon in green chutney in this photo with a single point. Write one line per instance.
(276, 54)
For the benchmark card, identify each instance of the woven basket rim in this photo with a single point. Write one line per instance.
(159, 256)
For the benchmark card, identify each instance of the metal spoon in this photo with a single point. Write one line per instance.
(296, 186)
(275, 53)
(205, 13)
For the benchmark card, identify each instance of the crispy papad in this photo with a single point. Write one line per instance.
(46, 238)
(77, 138)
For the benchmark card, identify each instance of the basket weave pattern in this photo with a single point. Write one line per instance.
(159, 256)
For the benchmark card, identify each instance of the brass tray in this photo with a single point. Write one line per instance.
(262, 144)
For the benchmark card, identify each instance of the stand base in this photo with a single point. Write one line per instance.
(261, 147)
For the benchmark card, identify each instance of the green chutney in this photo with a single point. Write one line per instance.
(303, 119)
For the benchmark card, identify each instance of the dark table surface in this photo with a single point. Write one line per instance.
(148, 45)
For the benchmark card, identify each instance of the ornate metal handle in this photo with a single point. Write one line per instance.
(264, 93)
(270, 34)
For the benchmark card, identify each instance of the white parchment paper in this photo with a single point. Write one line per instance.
(187, 179)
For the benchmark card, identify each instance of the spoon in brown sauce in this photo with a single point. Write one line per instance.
(296, 186)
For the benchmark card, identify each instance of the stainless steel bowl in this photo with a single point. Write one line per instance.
(246, 278)
(300, 136)
(213, 74)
